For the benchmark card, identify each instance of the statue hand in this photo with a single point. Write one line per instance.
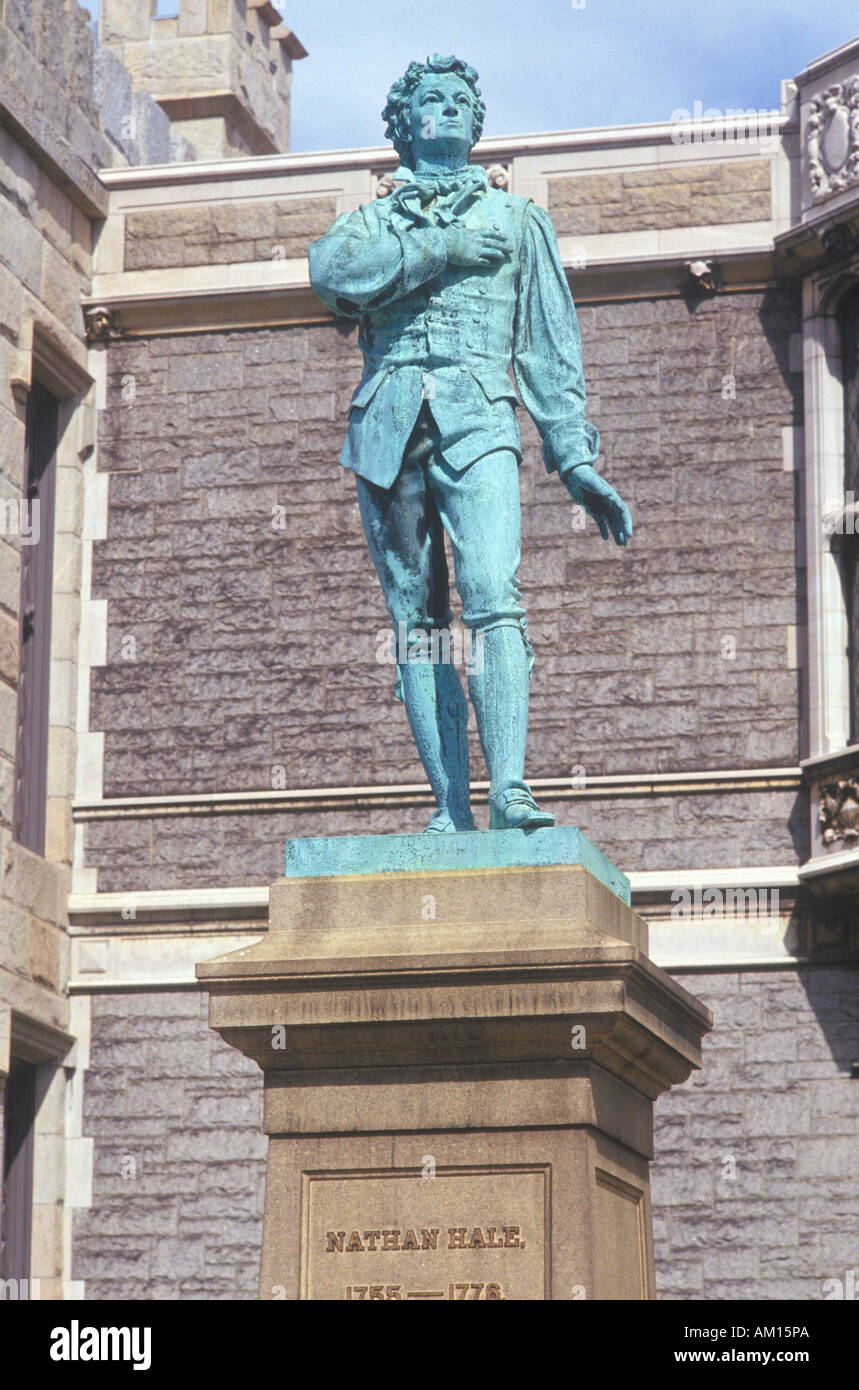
(599, 499)
(476, 246)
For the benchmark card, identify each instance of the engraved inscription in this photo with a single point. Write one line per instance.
(469, 1234)
(458, 1238)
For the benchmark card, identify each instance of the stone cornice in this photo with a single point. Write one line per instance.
(640, 263)
(819, 67)
(272, 293)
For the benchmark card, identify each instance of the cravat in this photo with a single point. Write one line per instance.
(436, 200)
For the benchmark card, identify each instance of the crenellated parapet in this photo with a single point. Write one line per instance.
(220, 69)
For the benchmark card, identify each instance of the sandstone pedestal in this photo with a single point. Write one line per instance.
(460, 1069)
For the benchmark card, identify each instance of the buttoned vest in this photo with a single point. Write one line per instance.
(464, 315)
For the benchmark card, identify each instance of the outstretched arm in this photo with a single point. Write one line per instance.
(547, 361)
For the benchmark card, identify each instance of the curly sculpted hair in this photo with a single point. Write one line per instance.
(397, 107)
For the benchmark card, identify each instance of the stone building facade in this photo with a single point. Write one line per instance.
(67, 110)
(216, 684)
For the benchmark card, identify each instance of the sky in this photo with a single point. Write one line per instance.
(551, 64)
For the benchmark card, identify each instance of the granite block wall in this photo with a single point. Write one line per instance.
(754, 1185)
(251, 231)
(691, 195)
(73, 97)
(179, 1162)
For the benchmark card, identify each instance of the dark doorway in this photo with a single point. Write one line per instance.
(16, 1210)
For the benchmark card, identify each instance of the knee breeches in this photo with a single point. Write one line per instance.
(479, 509)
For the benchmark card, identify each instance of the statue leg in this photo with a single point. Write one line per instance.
(481, 512)
(438, 718)
(406, 542)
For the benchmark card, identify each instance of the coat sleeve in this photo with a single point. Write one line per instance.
(547, 351)
(361, 264)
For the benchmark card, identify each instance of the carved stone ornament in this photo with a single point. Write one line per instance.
(838, 239)
(839, 811)
(385, 185)
(703, 275)
(101, 323)
(832, 139)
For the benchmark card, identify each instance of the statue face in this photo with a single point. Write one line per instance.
(442, 110)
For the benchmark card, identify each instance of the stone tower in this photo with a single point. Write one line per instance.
(220, 69)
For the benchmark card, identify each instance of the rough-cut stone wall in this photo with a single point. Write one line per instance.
(179, 1163)
(66, 109)
(632, 200)
(252, 231)
(244, 613)
(754, 1187)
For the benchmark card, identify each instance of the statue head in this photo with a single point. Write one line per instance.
(435, 107)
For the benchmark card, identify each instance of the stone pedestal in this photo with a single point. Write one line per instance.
(460, 1068)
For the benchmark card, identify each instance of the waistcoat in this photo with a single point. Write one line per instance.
(449, 341)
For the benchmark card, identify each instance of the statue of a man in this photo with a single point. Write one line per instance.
(453, 281)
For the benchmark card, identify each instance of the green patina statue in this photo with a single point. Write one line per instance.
(453, 281)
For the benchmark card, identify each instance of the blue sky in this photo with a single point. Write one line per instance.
(545, 65)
